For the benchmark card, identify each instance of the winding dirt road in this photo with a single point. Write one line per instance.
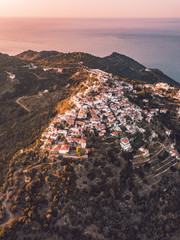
(23, 106)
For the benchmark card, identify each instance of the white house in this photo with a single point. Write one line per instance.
(46, 69)
(162, 85)
(54, 136)
(163, 110)
(12, 76)
(173, 152)
(83, 143)
(168, 132)
(63, 131)
(125, 144)
(62, 149)
(145, 152)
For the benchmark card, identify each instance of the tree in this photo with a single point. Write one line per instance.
(80, 151)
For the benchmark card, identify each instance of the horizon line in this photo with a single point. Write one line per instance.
(87, 18)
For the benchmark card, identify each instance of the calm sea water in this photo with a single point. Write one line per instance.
(153, 42)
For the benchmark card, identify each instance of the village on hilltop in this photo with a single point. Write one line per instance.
(101, 109)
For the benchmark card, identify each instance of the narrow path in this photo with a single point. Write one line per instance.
(157, 177)
(2, 134)
(149, 187)
(10, 215)
(38, 77)
(4, 203)
(18, 102)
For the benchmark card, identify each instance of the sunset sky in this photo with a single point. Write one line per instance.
(90, 8)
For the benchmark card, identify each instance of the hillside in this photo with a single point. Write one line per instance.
(85, 154)
(116, 63)
(32, 55)
(28, 98)
(33, 90)
(105, 167)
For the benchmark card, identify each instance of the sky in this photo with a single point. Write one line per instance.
(91, 8)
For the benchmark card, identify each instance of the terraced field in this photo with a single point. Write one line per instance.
(157, 169)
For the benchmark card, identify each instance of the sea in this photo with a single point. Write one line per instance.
(154, 43)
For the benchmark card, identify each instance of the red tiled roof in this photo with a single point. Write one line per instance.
(124, 140)
(57, 148)
(61, 147)
(64, 147)
(114, 133)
